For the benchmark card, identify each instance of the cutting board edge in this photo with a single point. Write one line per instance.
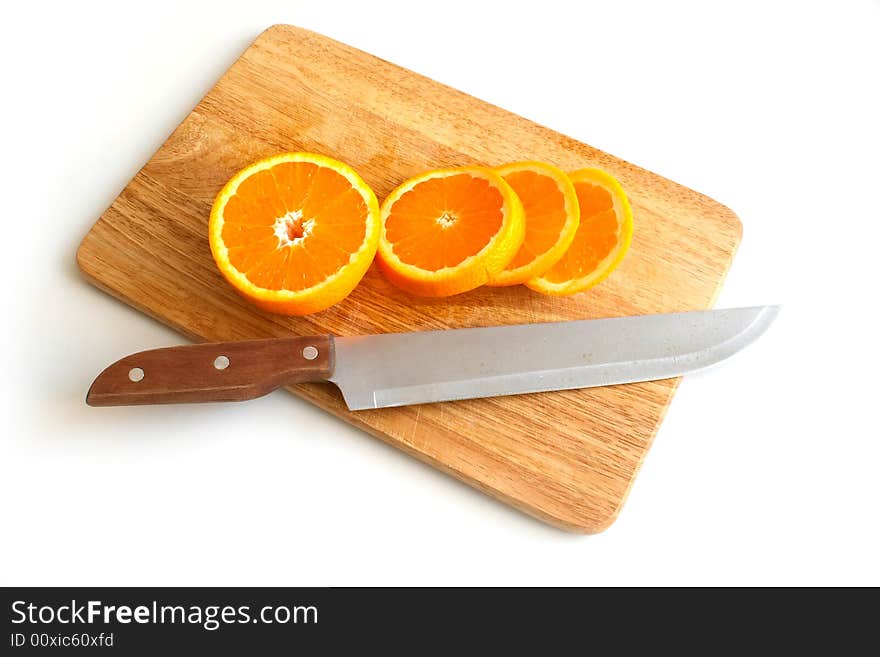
(535, 512)
(87, 273)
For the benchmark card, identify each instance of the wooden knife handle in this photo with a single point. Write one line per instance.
(217, 371)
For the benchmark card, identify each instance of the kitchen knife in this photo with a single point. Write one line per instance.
(397, 369)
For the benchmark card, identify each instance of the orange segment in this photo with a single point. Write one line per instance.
(601, 241)
(449, 231)
(551, 215)
(294, 233)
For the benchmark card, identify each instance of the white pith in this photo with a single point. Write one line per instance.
(282, 229)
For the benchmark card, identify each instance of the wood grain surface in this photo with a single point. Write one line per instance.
(569, 457)
(213, 371)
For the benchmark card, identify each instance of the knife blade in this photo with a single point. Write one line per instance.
(398, 369)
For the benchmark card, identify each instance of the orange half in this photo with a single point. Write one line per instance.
(601, 241)
(551, 212)
(294, 233)
(449, 231)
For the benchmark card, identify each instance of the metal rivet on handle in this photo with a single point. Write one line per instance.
(310, 353)
(221, 362)
(135, 374)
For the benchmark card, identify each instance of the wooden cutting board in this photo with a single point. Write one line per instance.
(569, 457)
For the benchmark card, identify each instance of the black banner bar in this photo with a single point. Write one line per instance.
(133, 621)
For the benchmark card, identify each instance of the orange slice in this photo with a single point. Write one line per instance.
(601, 240)
(551, 214)
(449, 231)
(294, 233)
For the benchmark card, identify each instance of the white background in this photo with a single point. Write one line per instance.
(765, 470)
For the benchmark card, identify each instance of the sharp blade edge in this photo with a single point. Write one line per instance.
(398, 369)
